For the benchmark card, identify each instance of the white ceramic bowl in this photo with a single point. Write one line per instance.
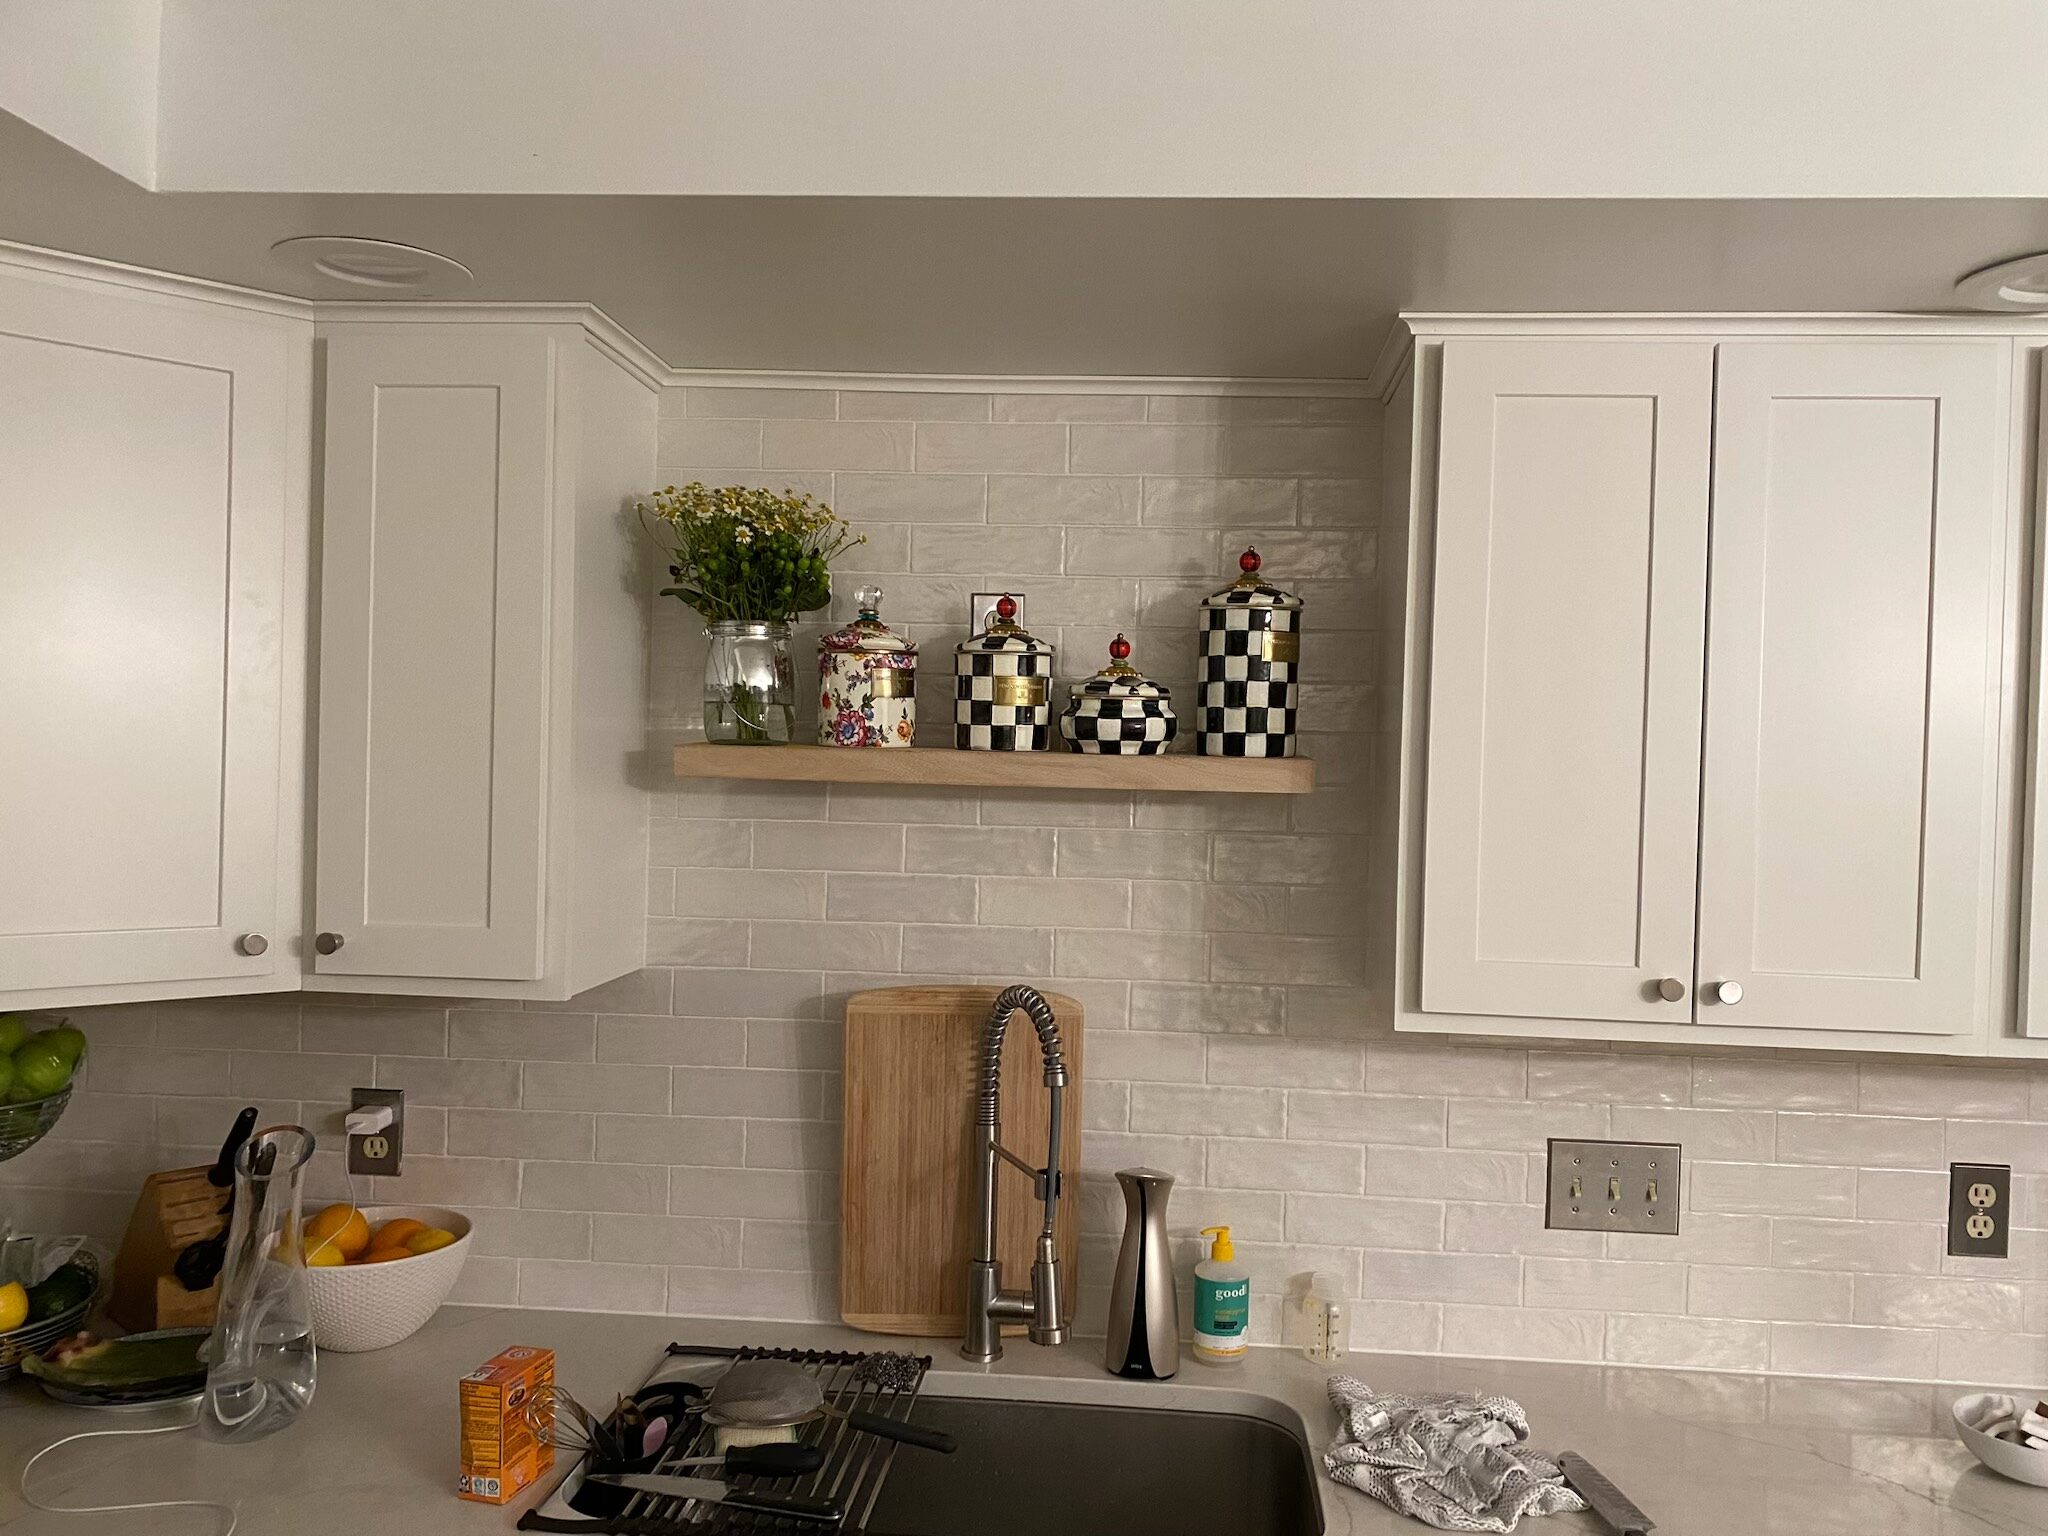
(372, 1306)
(2021, 1463)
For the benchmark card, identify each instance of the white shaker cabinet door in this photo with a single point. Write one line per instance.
(144, 452)
(1852, 686)
(1565, 677)
(433, 704)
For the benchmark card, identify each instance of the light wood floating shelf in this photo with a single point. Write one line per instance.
(1176, 772)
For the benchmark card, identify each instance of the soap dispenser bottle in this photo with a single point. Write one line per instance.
(1223, 1299)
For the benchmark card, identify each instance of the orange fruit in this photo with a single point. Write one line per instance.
(340, 1226)
(429, 1240)
(382, 1256)
(396, 1232)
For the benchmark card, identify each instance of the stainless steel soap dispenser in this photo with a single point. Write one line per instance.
(1144, 1309)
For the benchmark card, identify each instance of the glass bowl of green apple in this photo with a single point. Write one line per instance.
(39, 1063)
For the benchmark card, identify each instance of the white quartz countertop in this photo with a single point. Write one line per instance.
(1703, 1454)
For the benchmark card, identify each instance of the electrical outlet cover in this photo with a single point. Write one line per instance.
(1979, 1209)
(380, 1154)
(981, 607)
(1613, 1186)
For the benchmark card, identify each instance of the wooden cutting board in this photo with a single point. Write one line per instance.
(906, 1204)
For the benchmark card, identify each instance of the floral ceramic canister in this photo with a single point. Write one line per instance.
(1250, 661)
(1119, 711)
(867, 681)
(1002, 687)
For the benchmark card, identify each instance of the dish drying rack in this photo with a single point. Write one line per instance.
(856, 1463)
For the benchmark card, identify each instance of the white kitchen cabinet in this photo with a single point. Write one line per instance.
(1852, 690)
(1564, 690)
(480, 829)
(152, 507)
(1697, 766)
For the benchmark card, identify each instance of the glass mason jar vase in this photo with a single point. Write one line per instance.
(749, 683)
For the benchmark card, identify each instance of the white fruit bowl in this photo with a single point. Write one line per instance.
(373, 1306)
(2021, 1463)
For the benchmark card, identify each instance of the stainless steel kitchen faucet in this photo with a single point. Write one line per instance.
(989, 1306)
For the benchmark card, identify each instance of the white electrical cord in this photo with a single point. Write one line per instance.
(119, 1509)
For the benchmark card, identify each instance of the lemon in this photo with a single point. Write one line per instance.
(429, 1240)
(13, 1307)
(327, 1256)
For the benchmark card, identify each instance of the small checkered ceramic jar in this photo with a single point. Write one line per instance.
(1119, 711)
(1250, 661)
(1002, 682)
(867, 682)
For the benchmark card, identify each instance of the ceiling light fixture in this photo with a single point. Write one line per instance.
(2018, 284)
(382, 265)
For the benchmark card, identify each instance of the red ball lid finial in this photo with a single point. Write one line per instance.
(1006, 608)
(1119, 648)
(1248, 562)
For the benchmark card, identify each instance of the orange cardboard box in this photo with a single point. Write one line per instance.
(501, 1454)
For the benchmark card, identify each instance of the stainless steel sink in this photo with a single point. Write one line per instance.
(1064, 1469)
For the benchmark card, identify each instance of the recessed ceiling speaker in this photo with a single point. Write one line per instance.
(383, 266)
(2018, 284)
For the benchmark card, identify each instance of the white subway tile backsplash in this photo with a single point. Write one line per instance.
(911, 405)
(1603, 1284)
(484, 1033)
(1147, 450)
(1287, 1064)
(671, 1141)
(1857, 1141)
(1290, 1166)
(1770, 1189)
(1064, 501)
(1522, 1332)
(1699, 1343)
(595, 1086)
(1721, 1290)
(735, 442)
(907, 498)
(1444, 1173)
(998, 448)
(1610, 1077)
(772, 403)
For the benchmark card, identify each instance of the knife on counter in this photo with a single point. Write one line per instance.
(709, 1490)
(1607, 1501)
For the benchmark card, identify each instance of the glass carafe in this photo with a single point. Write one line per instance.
(260, 1360)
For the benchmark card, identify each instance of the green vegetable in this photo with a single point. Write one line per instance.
(138, 1361)
(70, 1285)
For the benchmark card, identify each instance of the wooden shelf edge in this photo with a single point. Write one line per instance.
(1176, 772)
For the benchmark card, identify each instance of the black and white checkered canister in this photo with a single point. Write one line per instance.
(1002, 688)
(1119, 711)
(1249, 665)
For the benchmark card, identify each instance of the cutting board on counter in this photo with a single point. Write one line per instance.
(907, 1204)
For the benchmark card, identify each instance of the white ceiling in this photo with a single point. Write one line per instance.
(1245, 288)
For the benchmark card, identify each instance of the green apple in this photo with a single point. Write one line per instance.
(40, 1068)
(13, 1030)
(66, 1041)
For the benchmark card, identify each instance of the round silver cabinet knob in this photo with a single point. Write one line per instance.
(327, 943)
(1671, 989)
(253, 944)
(1727, 991)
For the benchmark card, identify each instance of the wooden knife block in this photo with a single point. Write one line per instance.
(177, 1208)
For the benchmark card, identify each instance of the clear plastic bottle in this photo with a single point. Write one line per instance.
(1223, 1300)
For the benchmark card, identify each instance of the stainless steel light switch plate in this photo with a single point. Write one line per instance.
(1613, 1186)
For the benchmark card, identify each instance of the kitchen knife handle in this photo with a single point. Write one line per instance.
(908, 1434)
(788, 1506)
